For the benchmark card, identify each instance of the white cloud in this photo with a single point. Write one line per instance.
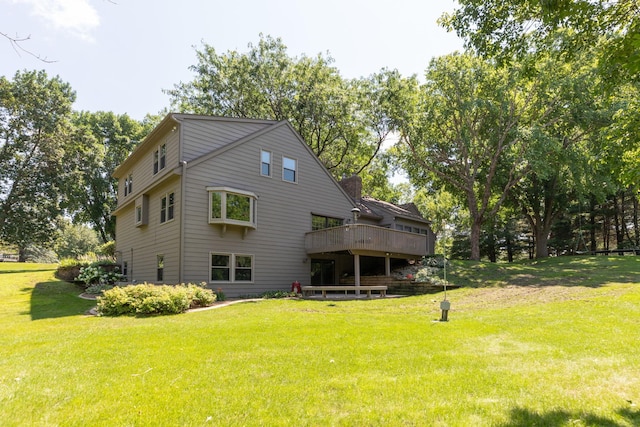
(76, 17)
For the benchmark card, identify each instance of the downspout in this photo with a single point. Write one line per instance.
(183, 203)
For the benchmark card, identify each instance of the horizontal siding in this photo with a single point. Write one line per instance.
(202, 137)
(283, 212)
(139, 246)
(142, 170)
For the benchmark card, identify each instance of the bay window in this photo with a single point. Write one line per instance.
(230, 206)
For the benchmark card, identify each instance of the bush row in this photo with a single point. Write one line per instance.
(90, 269)
(148, 299)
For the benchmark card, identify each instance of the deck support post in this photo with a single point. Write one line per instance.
(387, 266)
(356, 268)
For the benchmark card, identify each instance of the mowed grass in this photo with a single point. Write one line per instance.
(551, 343)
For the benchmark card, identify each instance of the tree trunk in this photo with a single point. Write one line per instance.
(540, 229)
(635, 221)
(606, 229)
(475, 239)
(542, 242)
(592, 225)
(22, 254)
(509, 247)
(491, 244)
(618, 216)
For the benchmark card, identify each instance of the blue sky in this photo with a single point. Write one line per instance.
(118, 55)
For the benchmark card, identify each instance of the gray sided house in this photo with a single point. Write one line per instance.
(245, 206)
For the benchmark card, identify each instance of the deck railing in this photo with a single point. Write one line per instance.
(363, 237)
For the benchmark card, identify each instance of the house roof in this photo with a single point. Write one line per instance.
(172, 119)
(375, 208)
(168, 123)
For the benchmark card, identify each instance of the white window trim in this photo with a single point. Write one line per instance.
(141, 203)
(166, 195)
(138, 214)
(232, 268)
(252, 223)
(128, 185)
(158, 152)
(270, 163)
(296, 170)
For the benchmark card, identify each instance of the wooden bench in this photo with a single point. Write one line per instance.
(635, 251)
(306, 290)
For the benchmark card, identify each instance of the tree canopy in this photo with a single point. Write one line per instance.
(343, 121)
(103, 140)
(504, 29)
(35, 138)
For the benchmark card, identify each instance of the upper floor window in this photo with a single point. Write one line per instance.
(142, 210)
(319, 222)
(159, 158)
(166, 207)
(289, 169)
(265, 163)
(138, 215)
(128, 185)
(229, 206)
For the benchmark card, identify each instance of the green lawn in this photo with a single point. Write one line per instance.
(553, 343)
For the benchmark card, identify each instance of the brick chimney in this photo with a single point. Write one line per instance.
(353, 186)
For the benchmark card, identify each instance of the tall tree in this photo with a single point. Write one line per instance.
(34, 143)
(343, 121)
(560, 148)
(103, 140)
(619, 158)
(465, 133)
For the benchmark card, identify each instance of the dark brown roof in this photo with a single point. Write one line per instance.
(376, 208)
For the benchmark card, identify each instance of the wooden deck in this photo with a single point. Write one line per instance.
(366, 240)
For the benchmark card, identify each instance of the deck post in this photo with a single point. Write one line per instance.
(387, 265)
(356, 268)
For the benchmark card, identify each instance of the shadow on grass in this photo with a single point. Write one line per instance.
(56, 299)
(24, 271)
(521, 417)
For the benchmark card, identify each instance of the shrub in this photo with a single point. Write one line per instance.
(164, 300)
(71, 262)
(40, 255)
(199, 296)
(108, 249)
(278, 294)
(148, 299)
(97, 289)
(436, 261)
(116, 302)
(99, 273)
(69, 269)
